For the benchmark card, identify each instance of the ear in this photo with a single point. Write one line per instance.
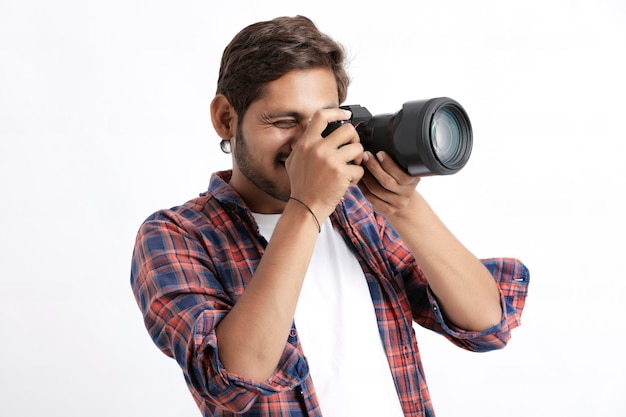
(223, 117)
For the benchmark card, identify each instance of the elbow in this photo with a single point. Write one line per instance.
(484, 319)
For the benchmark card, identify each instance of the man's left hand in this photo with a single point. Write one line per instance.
(387, 186)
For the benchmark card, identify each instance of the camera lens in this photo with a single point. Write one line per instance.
(445, 135)
(425, 137)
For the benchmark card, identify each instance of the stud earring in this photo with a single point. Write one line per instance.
(225, 146)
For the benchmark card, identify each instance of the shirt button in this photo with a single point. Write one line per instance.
(293, 333)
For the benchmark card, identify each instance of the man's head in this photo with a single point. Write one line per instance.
(265, 51)
(275, 76)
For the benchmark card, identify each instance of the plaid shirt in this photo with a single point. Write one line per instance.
(191, 263)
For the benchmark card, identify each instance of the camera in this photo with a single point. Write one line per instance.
(425, 137)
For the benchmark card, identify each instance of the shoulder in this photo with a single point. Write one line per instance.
(193, 212)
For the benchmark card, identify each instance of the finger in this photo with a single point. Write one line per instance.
(343, 135)
(352, 152)
(353, 174)
(381, 199)
(375, 188)
(322, 118)
(393, 169)
(375, 167)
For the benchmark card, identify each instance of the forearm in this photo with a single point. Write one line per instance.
(253, 334)
(466, 291)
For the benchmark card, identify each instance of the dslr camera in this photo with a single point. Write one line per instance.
(425, 137)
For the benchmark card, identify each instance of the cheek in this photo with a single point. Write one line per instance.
(269, 139)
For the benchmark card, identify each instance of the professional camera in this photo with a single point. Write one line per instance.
(425, 137)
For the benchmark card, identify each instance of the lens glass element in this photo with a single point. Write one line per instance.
(445, 135)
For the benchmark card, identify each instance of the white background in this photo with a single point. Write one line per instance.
(104, 119)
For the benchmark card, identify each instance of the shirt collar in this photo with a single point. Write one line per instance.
(220, 189)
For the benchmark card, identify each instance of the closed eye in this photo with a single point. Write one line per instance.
(285, 123)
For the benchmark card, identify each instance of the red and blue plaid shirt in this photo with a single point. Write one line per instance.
(191, 263)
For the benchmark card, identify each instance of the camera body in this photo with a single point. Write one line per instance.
(425, 137)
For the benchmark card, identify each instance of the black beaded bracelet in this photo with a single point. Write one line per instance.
(319, 228)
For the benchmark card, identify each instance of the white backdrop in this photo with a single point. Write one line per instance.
(104, 119)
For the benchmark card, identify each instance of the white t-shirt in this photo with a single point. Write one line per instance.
(337, 327)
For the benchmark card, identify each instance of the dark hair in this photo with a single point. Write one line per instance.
(265, 51)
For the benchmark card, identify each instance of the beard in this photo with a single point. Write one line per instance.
(252, 170)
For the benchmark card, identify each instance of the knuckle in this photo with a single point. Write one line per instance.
(387, 183)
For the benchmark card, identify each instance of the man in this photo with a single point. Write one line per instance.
(291, 286)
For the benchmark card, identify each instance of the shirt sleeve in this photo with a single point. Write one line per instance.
(512, 278)
(183, 296)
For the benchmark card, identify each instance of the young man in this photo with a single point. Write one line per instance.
(291, 286)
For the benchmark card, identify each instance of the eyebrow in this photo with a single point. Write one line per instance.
(279, 115)
(294, 114)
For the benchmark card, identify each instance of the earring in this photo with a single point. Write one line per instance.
(225, 146)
